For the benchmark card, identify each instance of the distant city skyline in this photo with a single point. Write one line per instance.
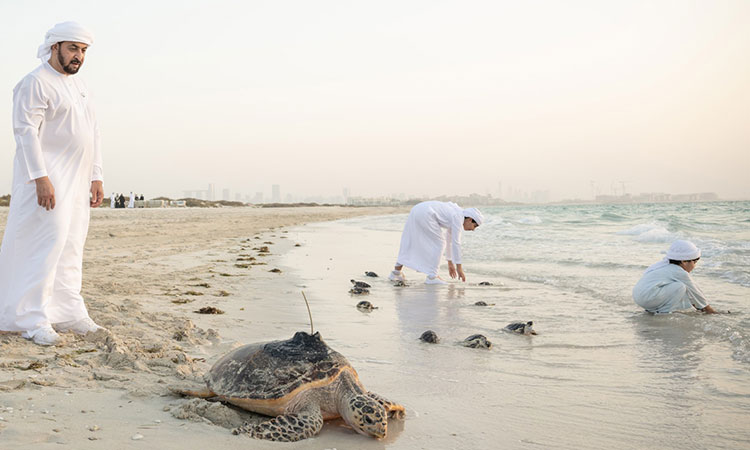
(512, 195)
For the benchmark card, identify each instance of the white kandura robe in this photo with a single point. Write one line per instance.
(112, 201)
(431, 228)
(131, 201)
(666, 289)
(42, 251)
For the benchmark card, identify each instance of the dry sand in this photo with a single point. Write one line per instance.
(145, 273)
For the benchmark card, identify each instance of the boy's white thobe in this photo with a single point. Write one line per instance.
(666, 289)
(42, 251)
(431, 227)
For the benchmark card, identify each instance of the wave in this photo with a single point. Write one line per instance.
(649, 232)
(736, 277)
(613, 217)
(735, 334)
(530, 220)
(640, 229)
(657, 235)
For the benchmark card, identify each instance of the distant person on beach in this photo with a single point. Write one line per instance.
(667, 285)
(112, 200)
(57, 177)
(131, 200)
(432, 227)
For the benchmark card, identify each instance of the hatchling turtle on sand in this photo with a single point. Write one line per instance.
(476, 341)
(430, 337)
(485, 283)
(371, 274)
(302, 382)
(359, 290)
(360, 284)
(366, 306)
(483, 303)
(526, 328)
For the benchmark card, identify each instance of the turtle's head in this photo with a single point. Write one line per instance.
(529, 328)
(365, 415)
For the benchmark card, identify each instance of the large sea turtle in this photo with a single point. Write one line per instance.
(302, 382)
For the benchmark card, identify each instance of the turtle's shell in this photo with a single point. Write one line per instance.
(271, 373)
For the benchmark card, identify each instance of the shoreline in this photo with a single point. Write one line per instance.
(145, 273)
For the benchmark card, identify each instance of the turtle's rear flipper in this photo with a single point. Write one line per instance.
(395, 411)
(202, 393)
(296, 426)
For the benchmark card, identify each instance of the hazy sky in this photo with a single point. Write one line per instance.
(421, 97)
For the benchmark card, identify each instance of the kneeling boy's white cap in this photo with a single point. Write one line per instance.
(683, 251)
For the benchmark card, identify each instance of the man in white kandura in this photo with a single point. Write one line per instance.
(431, 228)
(57, 177)
(112, 200)
(131, 200)
(667, 286)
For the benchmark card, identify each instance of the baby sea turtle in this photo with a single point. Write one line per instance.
(483, 303)
(209, 310)
(525, 328)
(359, 291)
(302, 382)
(399, 283)
(366, 306)
(485, 283)
(476, 341)
(430, 337)
(371, 274)
(360, 284)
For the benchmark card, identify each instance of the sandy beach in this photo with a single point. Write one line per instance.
(600, 374)
(145, 273)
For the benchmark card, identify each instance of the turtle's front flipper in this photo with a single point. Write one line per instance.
(202, 393)
(288, 427)
(395, 411)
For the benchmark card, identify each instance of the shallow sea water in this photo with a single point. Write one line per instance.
(600, 374)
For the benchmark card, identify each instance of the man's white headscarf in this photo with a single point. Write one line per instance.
(65, 31)
(474, 213)
(679, 251)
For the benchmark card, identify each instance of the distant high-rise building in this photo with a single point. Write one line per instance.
(258, 198)
(346, 193)
(276, 193)
(225, 194)
(211, 193)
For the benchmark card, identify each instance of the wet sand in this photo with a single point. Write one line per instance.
(146, 272)
(601, 374)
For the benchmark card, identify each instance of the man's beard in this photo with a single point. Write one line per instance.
(69, 69)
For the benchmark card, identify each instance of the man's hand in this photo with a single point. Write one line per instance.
(460, 272)
(451, 269)
(97, 194)
(45, 193)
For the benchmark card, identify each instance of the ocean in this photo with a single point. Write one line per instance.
(601, 373)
